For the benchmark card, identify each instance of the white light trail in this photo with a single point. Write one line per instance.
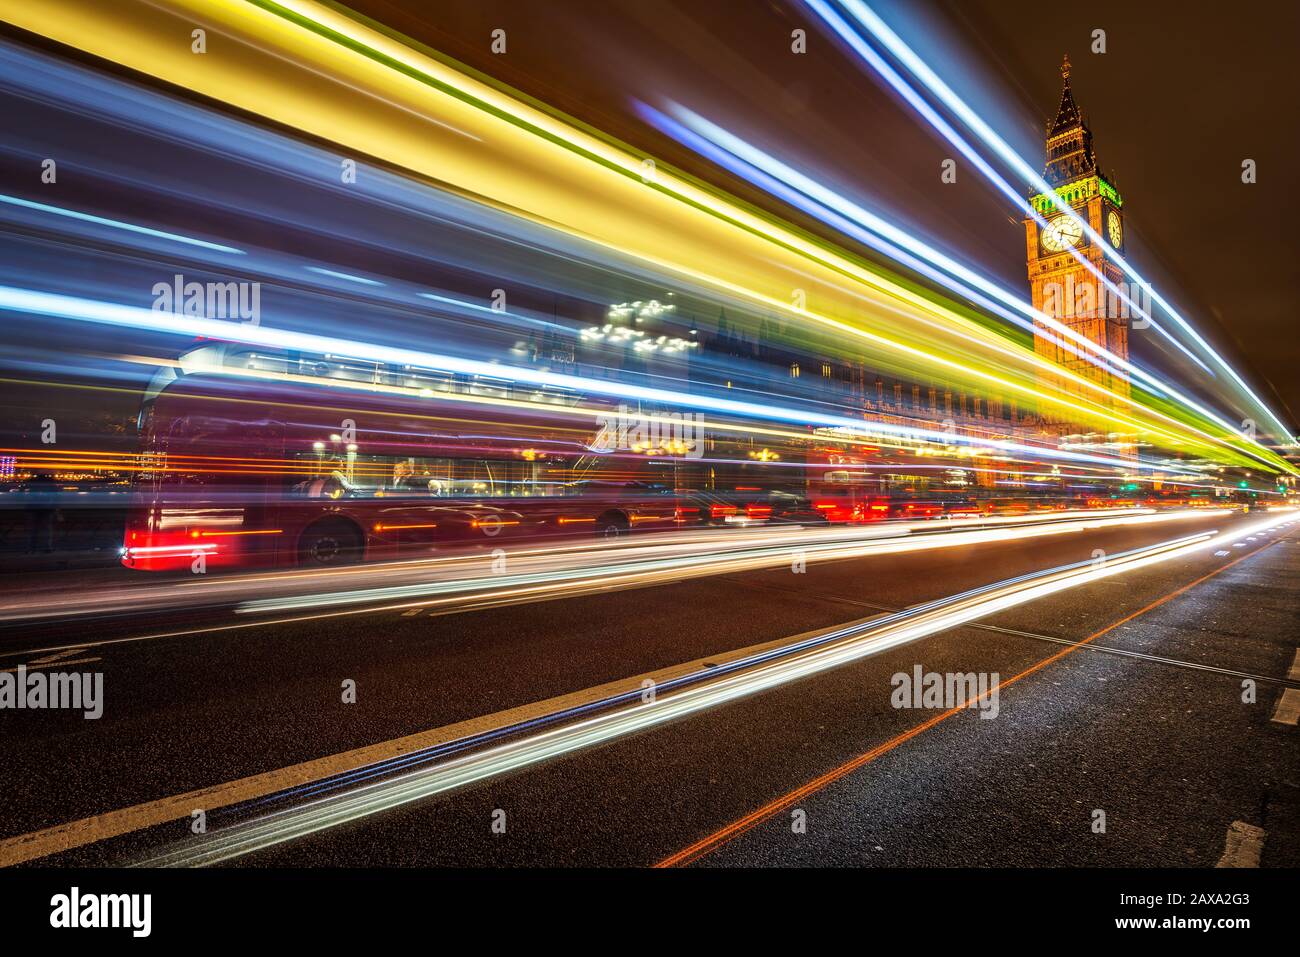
(116, 224)
(549, 566)
(921, 71)
(115, 314)
(830, 206)
(553, 583)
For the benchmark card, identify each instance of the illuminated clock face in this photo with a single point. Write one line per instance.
(1061, 233)
(1114, 230)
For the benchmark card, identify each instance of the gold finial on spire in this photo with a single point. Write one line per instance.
(1065, 67)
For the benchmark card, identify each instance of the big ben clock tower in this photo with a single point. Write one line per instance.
(1060, 255)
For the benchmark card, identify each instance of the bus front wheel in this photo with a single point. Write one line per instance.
(611, 525)
(329, 543)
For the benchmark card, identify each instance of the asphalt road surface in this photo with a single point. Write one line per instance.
(1138, 718)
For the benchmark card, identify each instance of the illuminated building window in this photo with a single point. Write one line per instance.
(794, 370)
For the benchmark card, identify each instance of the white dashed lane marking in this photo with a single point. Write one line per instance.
(58, 659)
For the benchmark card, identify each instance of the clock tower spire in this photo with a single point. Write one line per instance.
(1065, 268)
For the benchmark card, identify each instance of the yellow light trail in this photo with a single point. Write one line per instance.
(312, 67)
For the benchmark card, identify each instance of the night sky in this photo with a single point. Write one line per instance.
(1184, 93)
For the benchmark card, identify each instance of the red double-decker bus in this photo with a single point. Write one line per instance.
(255, 458)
